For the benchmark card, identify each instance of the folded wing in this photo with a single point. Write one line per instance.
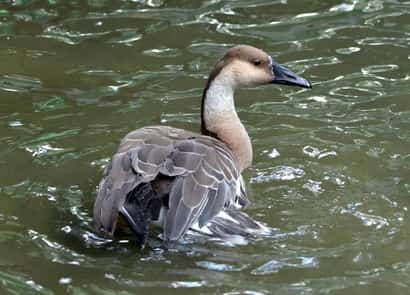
(203, 171)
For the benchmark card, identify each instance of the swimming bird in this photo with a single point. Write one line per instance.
(184, 180)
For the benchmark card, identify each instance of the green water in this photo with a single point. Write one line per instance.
(331, 172)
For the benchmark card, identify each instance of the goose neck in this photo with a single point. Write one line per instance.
(220, 120)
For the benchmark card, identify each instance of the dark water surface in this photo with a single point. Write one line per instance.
(331, 171)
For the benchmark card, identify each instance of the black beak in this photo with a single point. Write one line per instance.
(283, 75)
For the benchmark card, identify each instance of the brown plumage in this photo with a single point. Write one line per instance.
(184, 178)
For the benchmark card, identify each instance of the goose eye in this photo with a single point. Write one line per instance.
(256, 62)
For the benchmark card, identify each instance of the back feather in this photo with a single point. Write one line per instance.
(202, 174)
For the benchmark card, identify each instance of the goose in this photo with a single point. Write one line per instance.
(183, 180)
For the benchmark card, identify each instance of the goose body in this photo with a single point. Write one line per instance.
(181, 179)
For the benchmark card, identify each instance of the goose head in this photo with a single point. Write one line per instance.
(241, 66)
(247, 66)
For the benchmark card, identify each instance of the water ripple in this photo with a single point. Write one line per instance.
(383, 41)
(279, 173)
(329, 175)
(273, 266)
(219, 266)
(19, 83)
(15, 283)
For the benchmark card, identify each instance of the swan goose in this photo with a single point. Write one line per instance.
(184, 180)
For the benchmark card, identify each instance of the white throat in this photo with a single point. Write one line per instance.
(220, 117)
(219, 97)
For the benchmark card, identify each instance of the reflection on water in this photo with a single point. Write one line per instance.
(331, 168)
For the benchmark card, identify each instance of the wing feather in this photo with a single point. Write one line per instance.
(206, 190)
(205, 177)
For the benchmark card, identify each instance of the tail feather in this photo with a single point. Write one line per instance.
(230, 223)
(137, 222)
(135, 211)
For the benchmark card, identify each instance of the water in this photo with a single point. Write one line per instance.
(331, 173)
